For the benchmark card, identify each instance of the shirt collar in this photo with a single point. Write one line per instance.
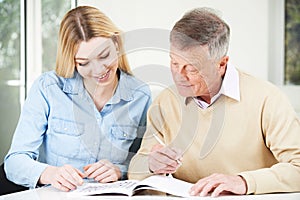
(231, 83)
(230, 87)
(123, 90)
(75, 86)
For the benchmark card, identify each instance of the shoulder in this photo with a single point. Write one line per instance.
(253, 88)
(167, 106)
(47, 79)
(257, 85)
(42, 87)
(133, 84)
(169, 97)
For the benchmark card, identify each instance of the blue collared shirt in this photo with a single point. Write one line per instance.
(60, 124)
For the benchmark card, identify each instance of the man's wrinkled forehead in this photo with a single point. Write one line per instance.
(188, 55)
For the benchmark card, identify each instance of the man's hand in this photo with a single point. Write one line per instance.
(64, 178)
(219, 183)
(164, 160)
(102, 171)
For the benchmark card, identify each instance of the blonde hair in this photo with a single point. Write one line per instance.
(82, 24)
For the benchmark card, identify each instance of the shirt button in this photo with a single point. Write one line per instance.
(69, 88)
(65, 128)
(125, 135)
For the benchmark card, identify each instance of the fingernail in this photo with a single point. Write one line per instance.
(192, 192)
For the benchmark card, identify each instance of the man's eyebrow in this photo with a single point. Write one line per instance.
(171, 56)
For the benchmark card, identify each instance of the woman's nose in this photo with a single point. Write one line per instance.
(98, 67)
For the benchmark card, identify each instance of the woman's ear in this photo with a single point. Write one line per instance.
(117, 47)
(115, 41)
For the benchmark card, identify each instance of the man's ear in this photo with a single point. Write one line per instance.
(223, 65)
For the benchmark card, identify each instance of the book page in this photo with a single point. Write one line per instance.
(120, 187)
(166, 184)
(160, 183)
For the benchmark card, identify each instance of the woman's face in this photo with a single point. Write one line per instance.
(97, 61)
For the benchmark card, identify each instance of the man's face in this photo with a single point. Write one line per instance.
(194, 72)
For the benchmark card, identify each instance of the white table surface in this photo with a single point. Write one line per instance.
(47, 193)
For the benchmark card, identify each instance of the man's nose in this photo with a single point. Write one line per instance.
(180, 75)
(180, 70)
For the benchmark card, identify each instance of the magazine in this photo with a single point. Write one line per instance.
(160, 183)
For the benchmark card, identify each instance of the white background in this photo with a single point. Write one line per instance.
(257, 32)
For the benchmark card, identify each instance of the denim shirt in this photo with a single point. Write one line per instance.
(60, 124)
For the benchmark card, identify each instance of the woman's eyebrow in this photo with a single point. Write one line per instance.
(81, 59)
(95, 51)
(103, 51)
(91, 54)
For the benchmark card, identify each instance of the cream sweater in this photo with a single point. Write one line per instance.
(257, 137)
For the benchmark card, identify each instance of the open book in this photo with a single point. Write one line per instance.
(164, 184)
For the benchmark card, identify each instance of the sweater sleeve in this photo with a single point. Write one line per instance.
(281, 130)
(138, 167)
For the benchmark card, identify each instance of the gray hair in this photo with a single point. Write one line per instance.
(202, 26)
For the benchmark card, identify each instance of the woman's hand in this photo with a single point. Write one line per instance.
(64, 178)
(102, 171)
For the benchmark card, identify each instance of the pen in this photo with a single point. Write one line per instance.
(159, 140)
(162, 143)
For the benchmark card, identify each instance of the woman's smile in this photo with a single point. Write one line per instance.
(104, 77)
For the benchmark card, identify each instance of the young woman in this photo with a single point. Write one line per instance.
(81, 120)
